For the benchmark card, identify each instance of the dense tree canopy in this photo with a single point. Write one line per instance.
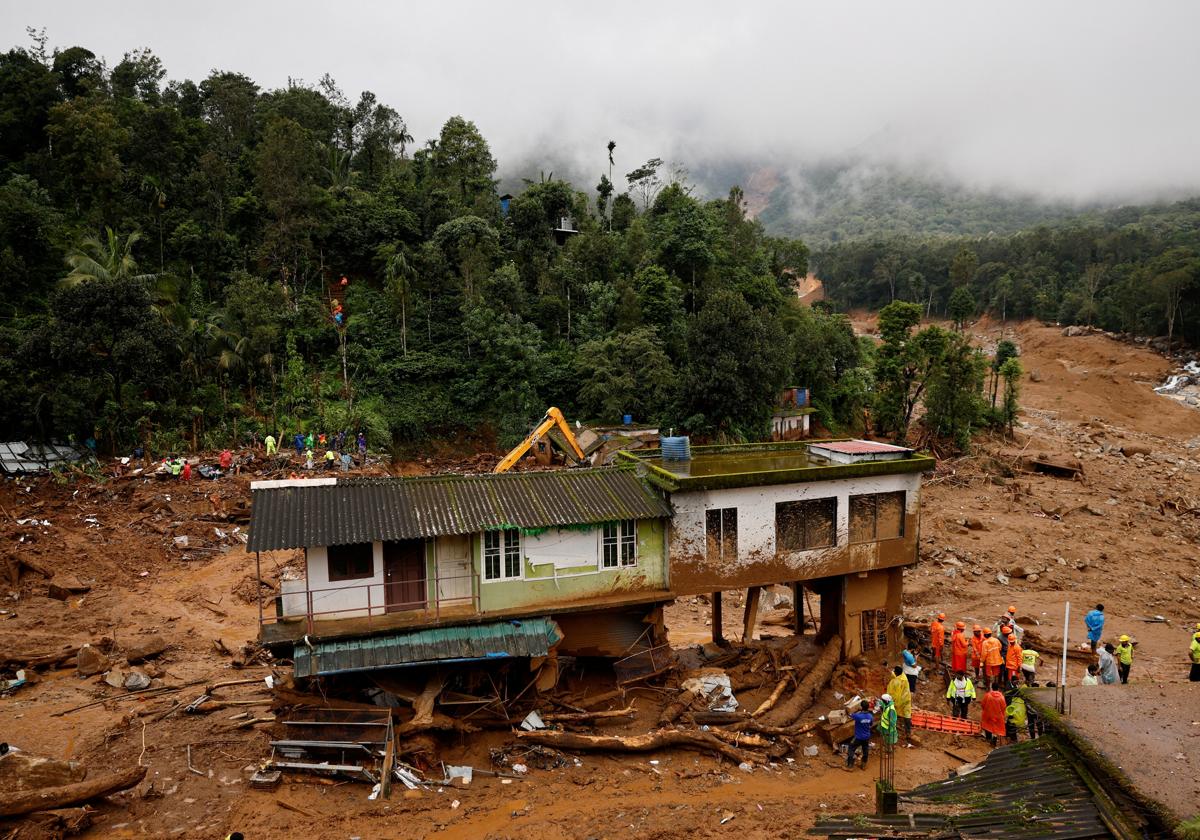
(172, 256)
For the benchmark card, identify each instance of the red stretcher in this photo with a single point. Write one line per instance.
(935, 722)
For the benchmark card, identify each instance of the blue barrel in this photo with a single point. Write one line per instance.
(627, 419)
(678, 448)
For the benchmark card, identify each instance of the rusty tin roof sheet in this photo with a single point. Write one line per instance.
(365, 509)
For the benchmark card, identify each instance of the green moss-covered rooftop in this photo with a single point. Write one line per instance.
(758, 464)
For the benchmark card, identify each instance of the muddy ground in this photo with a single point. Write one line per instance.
(1125, 534)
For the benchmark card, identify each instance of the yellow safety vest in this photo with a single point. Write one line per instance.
(1125, 654)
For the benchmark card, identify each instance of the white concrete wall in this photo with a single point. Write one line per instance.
(566, 551)
(756, 511)
(349, 597)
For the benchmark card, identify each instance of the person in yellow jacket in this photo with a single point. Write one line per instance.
(960, 693)
(1124, 658)
(1194, 676)
(902, 698)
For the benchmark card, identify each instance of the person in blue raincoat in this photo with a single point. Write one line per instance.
(1095, 625)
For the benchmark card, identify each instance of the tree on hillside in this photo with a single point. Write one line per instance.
(1011, 372)
(627, 374)
(903, 364)
(108, 259)
(962, 307)
(735, 370)
(1005, 350)
(954, 400)
(646, 181)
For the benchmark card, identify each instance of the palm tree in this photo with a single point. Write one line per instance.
(399, 272)
(107, 260)
(158, 203)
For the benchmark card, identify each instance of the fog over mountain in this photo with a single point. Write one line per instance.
(1070, 103)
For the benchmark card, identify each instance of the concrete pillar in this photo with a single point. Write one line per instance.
(753, 596)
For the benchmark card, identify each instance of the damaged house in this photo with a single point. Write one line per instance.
(838, 518)
(409, 571)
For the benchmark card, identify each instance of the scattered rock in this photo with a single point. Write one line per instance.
(1002, 580)
(1033, 577)
(1131, 449)
(145, 648)
(115, 678)
(63, 587)
(137, 680)
(974, 524)
(89, 662)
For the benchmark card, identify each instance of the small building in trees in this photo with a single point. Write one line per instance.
(790, 420)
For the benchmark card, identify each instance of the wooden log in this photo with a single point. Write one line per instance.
(649, 742)
(423, 704)
(18, 804)
(593, 702)
(63, 822)
(580, 717)
(750, 616)
(770, 702)
(678, 705)
(806, 693)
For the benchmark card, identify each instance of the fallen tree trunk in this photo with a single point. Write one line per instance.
(593, 702)
(651, 741)
(806, 693)
(770, 702)
(683, 701)
(580, 717)
(18, 804)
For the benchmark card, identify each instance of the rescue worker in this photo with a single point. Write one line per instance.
(308, 458)
(362, 444)
(992, 660)
(977, 651)
(960, 693)
(863, 721)
(1095, 625)
(911, 668)
(321, 440)
(959, 647)
(1005, 636)
(330, 459)
(898, 688)
(1108, 664)
(226, 459)
(346, 461)
(186, 471)
(1012, 620)
(308, 441)
(270, 442)
(1029, 661)
(1092, 677)
(994, 708)
(937, 636)
(1124, 658)
(298, 441)
(1013, 659)
(176, 466)
(888, 726)
(1194, 674)
(1015, 717)
(234, 835)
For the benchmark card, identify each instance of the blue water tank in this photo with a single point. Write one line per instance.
(627, 419)
(677, 448)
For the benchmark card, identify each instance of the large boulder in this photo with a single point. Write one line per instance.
(89, 662)
(22, 771)
(145, 648)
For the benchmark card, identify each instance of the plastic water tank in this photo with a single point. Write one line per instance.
(677, 448)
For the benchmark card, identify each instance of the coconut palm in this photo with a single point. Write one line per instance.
(399, 274)
(108, 259)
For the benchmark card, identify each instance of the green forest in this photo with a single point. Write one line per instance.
(192, 264)
(1131, 270)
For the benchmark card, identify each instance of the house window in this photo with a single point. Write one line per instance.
(874, 624)
(502, 554)
(806, 524)
(618, 544)
(351, 562)
(876, 516)
(720, 531)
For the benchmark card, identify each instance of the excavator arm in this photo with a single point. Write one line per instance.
(553, 418)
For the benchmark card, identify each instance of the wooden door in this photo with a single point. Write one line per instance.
(454, 569)
(404, 575)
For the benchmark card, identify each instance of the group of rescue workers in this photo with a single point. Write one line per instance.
(994, 661)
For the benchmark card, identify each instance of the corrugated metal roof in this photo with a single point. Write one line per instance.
(364, 510)
(500, 639)
(18, 457)
(858, 447)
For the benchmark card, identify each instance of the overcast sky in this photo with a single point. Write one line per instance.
(1079, 100)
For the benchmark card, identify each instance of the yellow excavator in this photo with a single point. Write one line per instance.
(553, 418)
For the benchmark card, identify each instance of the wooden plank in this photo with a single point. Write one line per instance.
(718, 635)
(750, 618)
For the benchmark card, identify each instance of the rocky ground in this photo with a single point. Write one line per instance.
(1124, 532)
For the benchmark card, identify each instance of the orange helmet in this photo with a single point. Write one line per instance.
(976, 628)
(1012, 610)
(941, 615)
(1006, 630)
(987, 631)
(961, 625)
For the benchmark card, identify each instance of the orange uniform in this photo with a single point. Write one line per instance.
(1012, 662)
(937, 637)
(991, 656)
(976, 650)
(958, 650)
(994, 708)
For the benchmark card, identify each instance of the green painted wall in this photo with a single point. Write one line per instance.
(578, 583)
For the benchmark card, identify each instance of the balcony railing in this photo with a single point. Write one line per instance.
(371, 601)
